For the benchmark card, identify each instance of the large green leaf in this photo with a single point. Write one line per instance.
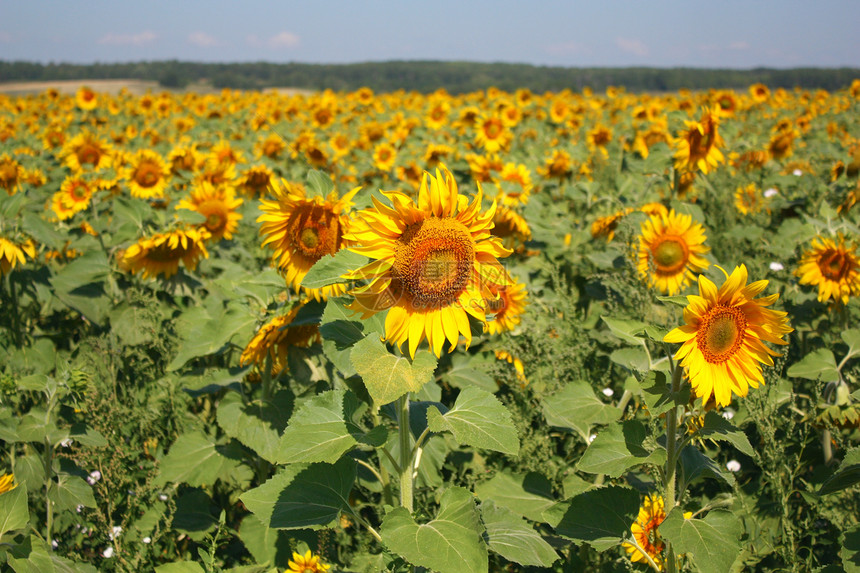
(180, 567)
(80, 285)
(344, 327)
(318, 431)
(850, 551)
(817, 364)
(846, 476)
(718, 428)
(255, 425)
(14, 512)
(712, 542)
(695, 464)
(203, 334)
(617, 448)
(514, 539)
(194, 514)
(386, 376)
(528, 494)
(266, 545)
(450, 543)
(196, 460)
(301, 496)
(71, 491)
(576, 407)
(42, 559)
(469, 371)
(601, 516)
(330, 269)
(477, 419)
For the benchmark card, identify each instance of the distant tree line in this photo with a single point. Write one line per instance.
(428, 76)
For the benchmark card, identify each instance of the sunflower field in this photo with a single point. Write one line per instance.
(491, 332)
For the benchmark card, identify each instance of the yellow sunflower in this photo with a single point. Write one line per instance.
(74, 196)
(515, 183)
(218, 205)
(147, 174)
(670, 251)
(508, 309)
(749, 200)
(697, 147)
(492, 134)
(598, 138)
(511, 227)
(12, 254)
(86, 99)
(272, 146)
(85, 151)
(7, 483)
(256, 180)
(161, 253)
(306, 563)
(274, 339)
(644, 530)
(722, 342)
(558, 165)
(11, 174)
(384, 156)
(184, 158)
(833, 266)
(435, 263)
(301, 230)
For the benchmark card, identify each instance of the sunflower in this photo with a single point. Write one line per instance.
(437, 116)
(301, 230)
(492, 134)
(54, 137)
(147, 174)
(184, 158)
(515, 183)
(7, 483)
(86, 99)
(558, 165)
(516, 363)
(384, 156)
(508, 309)
(161, 253)
(272, 146)
(697, 147)
(833, 266)
(598, 138)
(780, 143)
(274, 339)
(749, 200)
(722, 342)
(306, 564)
(11, 174)
(760, 93)
(86, 151)
(606, 226)
(74, 196)
(12, 254)
(511, 227)
(644, 530)
(218, 205)
(256, 180)
(726, 103)
(222, 152)
(435, 263)
(670, 251)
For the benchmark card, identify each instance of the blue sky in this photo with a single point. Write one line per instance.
(663, 33)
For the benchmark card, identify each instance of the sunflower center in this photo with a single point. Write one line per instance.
(215, 221)
(309, 238)
(147, 175)
(89, 154)
(433, 261)
(493, 129)
(316, 232)
(670, 255)
(834, 264)
(721, 333)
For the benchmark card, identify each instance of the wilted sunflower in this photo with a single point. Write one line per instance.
(606, 226)
(697, 147)
(85, 151)
(301, 230)
(147, 174)
(161, 253)
(218, 205)
(508, 309)
(12, 254)
(670, 251)
(833, 266)
(306, 563)
(435, 263)
(274, 339)
(722, 342)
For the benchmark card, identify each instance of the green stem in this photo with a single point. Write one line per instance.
(405, 452)
(16, 312)
(49, 511)
(384, 478)
(671, 461)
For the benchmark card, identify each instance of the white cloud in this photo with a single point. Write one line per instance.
(283, 40)
(145, 37)
(202, 39)
(632, 46)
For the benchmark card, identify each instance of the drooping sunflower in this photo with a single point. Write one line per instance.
(644, 530)
(301, 230)
(274, 339)
(12, 254)
(86, 151)
(508, 309)
(834, 266)
(698, 146)
(147, 174)
(306, 563)
(722, 342)
(671, 249)
(435, 263)
(160, 254)
(218, 205)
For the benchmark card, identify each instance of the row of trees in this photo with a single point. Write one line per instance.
(427, 76)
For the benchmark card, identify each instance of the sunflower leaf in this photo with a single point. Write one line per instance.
(319, 183)
(386, 376)
(617, 448)
(318, 431)
(850, 551)
(514, 539)
(330, 268)
(14, 512)
(477, 419)
(712, 541)
(852, 339)
(451, 543)
(718, 428)
(846, 476)
(600, 517)
(528, 494)
(576, 407)
(818, 364)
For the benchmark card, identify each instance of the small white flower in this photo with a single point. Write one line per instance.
(608, 392)
(797, 172)
(54, 544)
(67, 443)
(728, 414)
(768, 193)
(114, 532)
(775, 266)
(79, 508)
(147, 539)
(107, 553)
(94, 476)
(591, 438)
(733, 466)
(162, 496)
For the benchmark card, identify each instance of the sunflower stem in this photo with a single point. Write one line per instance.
(671, 461)
(384, 478)
(405, 452)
